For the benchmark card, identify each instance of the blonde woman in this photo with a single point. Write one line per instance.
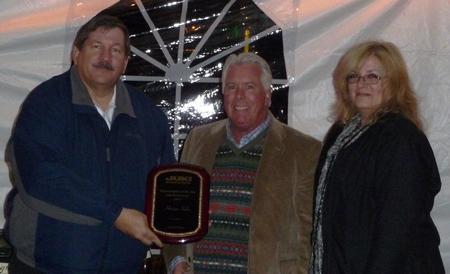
(377, 176)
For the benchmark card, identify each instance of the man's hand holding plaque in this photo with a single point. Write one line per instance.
(178, 203)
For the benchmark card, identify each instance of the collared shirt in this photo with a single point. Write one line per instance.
(109, 113)
(121, 99)
(247, 138)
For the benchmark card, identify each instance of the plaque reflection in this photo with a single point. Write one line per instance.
(178, 199)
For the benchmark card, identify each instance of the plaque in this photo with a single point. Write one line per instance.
(178, 203)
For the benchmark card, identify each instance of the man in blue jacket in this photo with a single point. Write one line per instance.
(79, 155)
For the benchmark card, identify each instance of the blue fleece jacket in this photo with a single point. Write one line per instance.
(72, 175)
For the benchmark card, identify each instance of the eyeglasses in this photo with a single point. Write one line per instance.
(368, 79)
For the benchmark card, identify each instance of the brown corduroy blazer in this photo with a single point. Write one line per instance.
(281, 218)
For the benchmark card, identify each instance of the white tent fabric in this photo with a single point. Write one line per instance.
(35, 39)
(317, 32)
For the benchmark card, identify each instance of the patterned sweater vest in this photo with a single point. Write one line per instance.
(225, 247)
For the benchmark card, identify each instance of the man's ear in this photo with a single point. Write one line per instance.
(125, 66)
(268, 99)
(74, 54)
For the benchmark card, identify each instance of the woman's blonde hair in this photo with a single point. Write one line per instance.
(398, 95)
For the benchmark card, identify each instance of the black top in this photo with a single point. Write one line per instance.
(377, 204)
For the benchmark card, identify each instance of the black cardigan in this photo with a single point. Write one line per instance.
(377, 204)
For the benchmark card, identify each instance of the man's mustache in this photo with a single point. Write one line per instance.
(104, 65)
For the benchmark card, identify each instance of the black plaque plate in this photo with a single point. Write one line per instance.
(178, 203)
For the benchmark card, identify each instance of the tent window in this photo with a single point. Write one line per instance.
(179, 47)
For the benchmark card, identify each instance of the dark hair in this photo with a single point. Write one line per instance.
(101, 21)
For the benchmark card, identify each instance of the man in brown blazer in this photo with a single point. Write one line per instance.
(261, 182)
